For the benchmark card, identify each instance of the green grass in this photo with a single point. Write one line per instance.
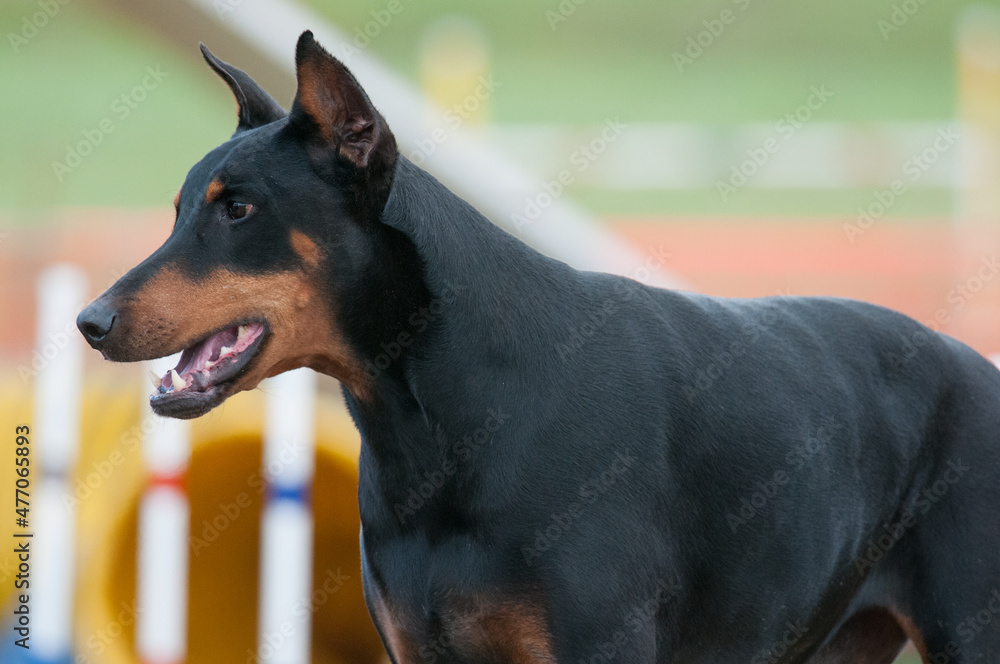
(611, 59)
(606, 60)
(917, 203)
(63, 83)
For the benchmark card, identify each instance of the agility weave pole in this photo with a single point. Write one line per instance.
(284, 632)
(286, 530)
(61, 291)
(163, 543)
(286, 553)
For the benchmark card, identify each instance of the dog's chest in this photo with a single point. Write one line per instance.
(422, 623)
(469, 630)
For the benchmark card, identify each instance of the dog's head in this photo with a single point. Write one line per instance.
(271, 227)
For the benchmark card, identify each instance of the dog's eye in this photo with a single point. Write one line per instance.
(237, 210)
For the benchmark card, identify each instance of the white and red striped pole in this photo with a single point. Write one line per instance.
(164, 526)
(285, 630)
(58, 388)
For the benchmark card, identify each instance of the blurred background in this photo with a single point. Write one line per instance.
(732, 147)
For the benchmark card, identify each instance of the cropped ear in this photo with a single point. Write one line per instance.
(256, 108)
(332, 109)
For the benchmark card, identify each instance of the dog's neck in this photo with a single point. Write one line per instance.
(445, 359)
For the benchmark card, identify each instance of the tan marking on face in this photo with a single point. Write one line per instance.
(177, 199)
(307, 250)
(214, 191)
(172, 311)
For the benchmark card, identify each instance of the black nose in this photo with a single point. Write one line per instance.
(95, 323)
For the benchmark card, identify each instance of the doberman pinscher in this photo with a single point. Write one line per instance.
(566, 466)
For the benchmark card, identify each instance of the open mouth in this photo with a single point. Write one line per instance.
(206, 372)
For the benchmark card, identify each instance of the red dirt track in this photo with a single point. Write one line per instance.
(915, 267)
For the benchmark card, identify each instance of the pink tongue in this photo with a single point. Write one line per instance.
(194, 359)
(212, 347)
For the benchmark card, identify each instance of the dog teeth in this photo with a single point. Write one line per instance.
(155, 379)
(176, 380)
(241, 331)
(208, 365)
(226, 350)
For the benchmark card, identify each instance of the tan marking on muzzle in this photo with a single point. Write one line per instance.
(177, 199)
(174, 311)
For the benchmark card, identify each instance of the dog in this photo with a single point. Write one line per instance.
(571, 467)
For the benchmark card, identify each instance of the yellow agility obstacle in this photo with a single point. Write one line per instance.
(226, 486)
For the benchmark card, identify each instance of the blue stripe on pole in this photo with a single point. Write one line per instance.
(11, 654)
(296, 494)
